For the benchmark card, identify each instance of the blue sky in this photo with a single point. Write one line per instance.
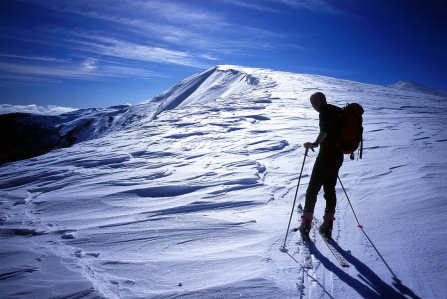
(100, 53)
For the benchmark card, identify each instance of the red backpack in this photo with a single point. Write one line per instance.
(351, 130)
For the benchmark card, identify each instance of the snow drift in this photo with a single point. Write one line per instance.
(189, 194)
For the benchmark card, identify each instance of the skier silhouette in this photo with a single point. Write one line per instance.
(326, 167)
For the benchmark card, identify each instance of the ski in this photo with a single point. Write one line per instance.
(331, 245)
(305, 246)
(307, 257)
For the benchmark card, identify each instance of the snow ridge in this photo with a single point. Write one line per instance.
(203, 88)
(416, 87)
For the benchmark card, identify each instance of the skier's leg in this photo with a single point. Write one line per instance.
(316, 181)
(330, 197)
(330, 183)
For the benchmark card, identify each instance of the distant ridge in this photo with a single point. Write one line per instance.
(416, 87)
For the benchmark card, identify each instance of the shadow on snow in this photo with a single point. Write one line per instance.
(370, 284)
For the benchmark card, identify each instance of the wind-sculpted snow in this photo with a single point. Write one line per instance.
(195, 201)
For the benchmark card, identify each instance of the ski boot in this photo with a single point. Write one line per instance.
(306, 224)
(326, 228)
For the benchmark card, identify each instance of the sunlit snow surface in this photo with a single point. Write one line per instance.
(193, 200)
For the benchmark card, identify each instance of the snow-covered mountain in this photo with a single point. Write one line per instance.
(416, 87)
(26, 135)
(188, 194)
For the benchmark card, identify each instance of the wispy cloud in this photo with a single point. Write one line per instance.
(124, 33)
(179, 26)
(87, 69)
(313, 5)
(73, 72)
(180, 23)
(208, 57)
(176, 12)
(14, 79)
(271, 6)
(254, 5)
(322, 6)
(128, 50)
(38, 58)
(173, 12)
(90, 64)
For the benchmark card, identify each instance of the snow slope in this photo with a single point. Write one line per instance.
(190, 196)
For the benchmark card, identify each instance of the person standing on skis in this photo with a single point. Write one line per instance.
(326, 167)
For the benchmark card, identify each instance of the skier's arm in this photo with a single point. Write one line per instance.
(320, 137)
(317, 142)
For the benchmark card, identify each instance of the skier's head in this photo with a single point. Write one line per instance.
(317, 100)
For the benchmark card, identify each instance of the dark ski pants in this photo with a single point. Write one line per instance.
(324, 173)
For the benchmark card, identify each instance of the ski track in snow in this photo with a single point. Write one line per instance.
(194, 201)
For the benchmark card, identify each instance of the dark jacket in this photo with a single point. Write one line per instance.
(329, 123)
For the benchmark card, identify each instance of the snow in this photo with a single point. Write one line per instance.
(188, 194)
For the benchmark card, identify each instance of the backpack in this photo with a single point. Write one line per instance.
(351, 130)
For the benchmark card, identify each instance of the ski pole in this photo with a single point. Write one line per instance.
(283, 247)
(358, 224)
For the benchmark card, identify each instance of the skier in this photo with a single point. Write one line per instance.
(325, 170)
